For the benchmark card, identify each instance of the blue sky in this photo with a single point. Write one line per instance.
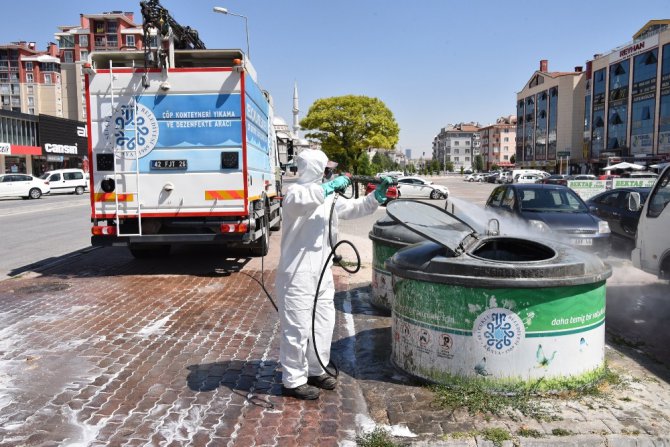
(432, 62)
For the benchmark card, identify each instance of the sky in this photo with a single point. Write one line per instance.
(432, 62)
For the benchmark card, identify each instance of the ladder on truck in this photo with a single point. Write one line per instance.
(130, 179)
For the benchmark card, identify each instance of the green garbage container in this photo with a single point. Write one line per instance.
(387, 237)
(499, 308)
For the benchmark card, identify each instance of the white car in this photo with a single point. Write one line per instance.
(418, 187)
(23, 185)
(475, 177)
(529, 178)
(66, 181)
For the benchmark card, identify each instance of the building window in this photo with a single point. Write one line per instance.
(644, 99)
(47, 78)
(467, 143)
(130, 40)
(83, 40)
(29, 66)
(506, 139)
(664, 112)
(112, 27)
(99, 27)
(153, 41)
(83, 55)
(29, 78)
(30, 89)
(99, 42)
(67, 41)
(31, 101)
(31, 110)
(68, 56)
(456, 143)
(112, 41)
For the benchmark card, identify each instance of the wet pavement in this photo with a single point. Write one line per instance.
(105, 350)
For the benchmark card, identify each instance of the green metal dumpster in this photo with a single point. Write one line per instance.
(387, 236)
(503, 309)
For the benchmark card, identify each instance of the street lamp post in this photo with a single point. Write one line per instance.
(221, 10)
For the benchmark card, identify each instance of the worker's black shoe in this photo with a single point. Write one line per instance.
(324, 381)
(304, 392)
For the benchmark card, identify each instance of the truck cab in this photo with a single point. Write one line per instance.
(652, 241)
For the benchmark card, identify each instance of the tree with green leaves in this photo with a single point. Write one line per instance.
(346, 126)
(495, 167)
(512, 159)
(449, 166)
(479, 163)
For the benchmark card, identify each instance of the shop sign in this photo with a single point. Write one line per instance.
(641, 144)
(633, 49)
(5, 148)
(60, 149)
(56, 158)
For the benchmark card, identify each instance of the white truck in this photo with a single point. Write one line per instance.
(181, 153)
(652, 241)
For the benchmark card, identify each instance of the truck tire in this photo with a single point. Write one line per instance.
(142, 251)
(277, 226)
(261, 247)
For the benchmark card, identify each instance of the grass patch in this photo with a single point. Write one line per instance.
(529, 433)
(476, 397)
(496, 435)
(487, 397)
(561, 432)
(377, 438)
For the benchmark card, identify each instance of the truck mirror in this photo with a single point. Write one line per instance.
(634, 202)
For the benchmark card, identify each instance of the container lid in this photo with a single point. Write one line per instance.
(388, 231)
(433, 223)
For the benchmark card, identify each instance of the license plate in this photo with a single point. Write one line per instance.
(168, 164)
(582, 241)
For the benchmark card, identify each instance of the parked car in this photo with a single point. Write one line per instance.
(479, 177)
(585, 177)
(529, 178)
(391, 193)
(612, 206)
(66, 181)
(552, 209)
(638, 174)
(493, 177)
(417, 187)
(557, 179)
(23, 185)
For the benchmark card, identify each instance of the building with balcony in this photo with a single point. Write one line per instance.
(30, 80)
(627, 100)
(457, 143)
(107, 31)
(499, 142)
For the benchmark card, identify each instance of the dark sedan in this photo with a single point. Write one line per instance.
(612, 206)
(557, 179)
(554, 210)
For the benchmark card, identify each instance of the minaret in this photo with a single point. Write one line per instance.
(296, 110)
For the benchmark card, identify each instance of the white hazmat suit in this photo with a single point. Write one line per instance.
(305, 246)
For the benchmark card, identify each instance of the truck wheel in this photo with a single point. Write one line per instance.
(261, 247)
(277, 226)
(142, 251)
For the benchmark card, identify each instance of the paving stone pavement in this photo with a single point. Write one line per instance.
(183, 352)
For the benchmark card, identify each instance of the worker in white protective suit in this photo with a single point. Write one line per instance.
(305, 247)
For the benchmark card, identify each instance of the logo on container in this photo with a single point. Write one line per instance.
(498, 330)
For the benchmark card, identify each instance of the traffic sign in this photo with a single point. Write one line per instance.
(563, 153)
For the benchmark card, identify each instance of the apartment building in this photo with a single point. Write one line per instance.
(30, 80)
(550, 120)
(627, 100)
(499, 142)
(457, 143)
(107, 31)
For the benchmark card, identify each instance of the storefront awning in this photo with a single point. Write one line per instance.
(25, 150)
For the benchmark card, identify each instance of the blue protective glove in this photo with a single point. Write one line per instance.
(380, 191)
(338, 184)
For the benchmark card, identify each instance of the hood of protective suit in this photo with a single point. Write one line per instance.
(311, 164)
